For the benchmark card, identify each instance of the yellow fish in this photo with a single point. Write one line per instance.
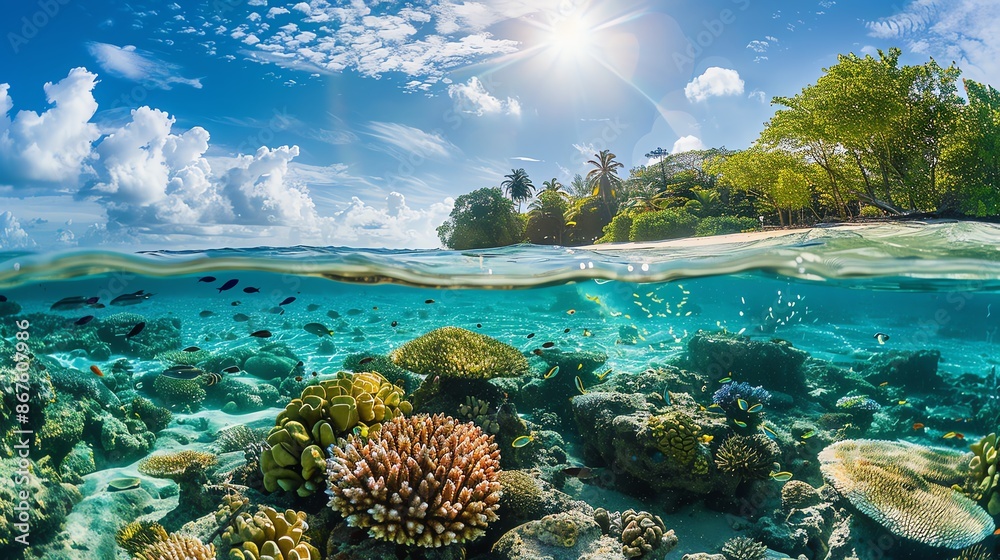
(552, 372)
(521, 441)
(601, 376)
(782, 476)
(706, 438)
(579, 386)
(595, 299)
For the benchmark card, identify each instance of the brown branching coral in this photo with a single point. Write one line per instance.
(139, 534)
(427, 481)
(747, 457)
(456, 352)
(907, 489)
(176, 547)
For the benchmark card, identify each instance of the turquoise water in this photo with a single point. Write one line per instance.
(827, 292)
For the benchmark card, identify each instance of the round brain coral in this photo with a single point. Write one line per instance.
(906, 488)
(427, 481)
(455, 352)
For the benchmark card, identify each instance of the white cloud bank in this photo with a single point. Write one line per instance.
(686, 144)
(472, 97)
(961, 30)
(714, 82)
(138, 66)
(156, 184)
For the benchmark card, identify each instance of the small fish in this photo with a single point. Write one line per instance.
(566, 330)
(579, 385)
(808, 434)
(207, 279)
(367, 360)
(206, 313)
(725, 380)
(883, 384)
(72, 302)
(881, 337)
(251, 290)
(261, 334)
(312, 307)
(83, 320)
(298, 378)
(394, 324)
(901, 402)
(231, 369)
(241, 318)
(276, 310)
(571, 312)
(532, 335)
(354, 312)
(97, 371)
(333, 314)
(740, 423)
(742, 404)
(360, 431)
(317, 329)
(551, 373)
(666, 397)
(706, 438)
(521, 441)
(287, 300)
(583, 473)
(537, 351)
(191, 349)
(131, 299)
(183, 372)
(601, 376)
(211, 378)
(136, 329)
(3, 298)
(755, 408)
(768, 432)
(548, 345)
(782, 476)
(579, 367)
(595, 299)
(228, 285)
(952, 435)
(235, 303)
(428, 301)
(586, 332)
(315, 374)
(479, 325)
(918, 426)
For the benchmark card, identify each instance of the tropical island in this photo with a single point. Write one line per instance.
(870, 139)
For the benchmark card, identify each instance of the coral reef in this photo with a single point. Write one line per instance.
(186, 394)
(747, 457)
(137, 535)
(739, 401)
(985, 478)
(743, 548)
(188, 469)
(676, 436)
(30, 504)
(180, 357)
(424, 481)
(238, 438)
(643, 535)
(457, 352)
(478, 412)
(775, 362)
(154, 417)
(177, 547)
(310, 424)
(906, 488)
(269, 533)
(913, 370)
(571, 535)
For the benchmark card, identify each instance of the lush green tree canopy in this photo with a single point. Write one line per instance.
(480, 219)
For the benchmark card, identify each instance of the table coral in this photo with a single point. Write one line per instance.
(456, 352)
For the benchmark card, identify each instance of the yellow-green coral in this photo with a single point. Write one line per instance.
(985, 478)
(312, 423)
(176, 547)
(189, 392)
(906, 488)
(180, 357)
(179, 466)
(269, 533)
(423, 481)
(477, 411)
(139, 534)
(523, 495)
(747, 457)
(676, 436)
(456, 352)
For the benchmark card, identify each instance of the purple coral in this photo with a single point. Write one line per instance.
(728, 394)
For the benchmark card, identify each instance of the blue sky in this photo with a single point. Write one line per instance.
(256, 122)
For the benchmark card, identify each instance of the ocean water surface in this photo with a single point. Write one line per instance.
(903, 315)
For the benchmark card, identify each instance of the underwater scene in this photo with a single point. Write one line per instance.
(819, 394)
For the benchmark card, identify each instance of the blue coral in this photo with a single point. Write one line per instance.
(728, 396)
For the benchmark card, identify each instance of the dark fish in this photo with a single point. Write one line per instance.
(212, 378)
(354, 312)
(565, 330)
(317, 329)
(583, 473)
(235, 303)
(183, 372)
(207, 279)
(298, 378)
(206, 313)
(131, 299)
(83, 320)
(548, 345)
(228, 285)
(261, 334)
(241, 318)
(136, 329)
(287, 300)
(428, 301)
(251, 290)
(93, 300)
(365, 360)
(97, 371)
(479, 325)
(532, 335)
(395, 324)
(277, 310)
(231, 369)
(333, 314)
(192, 349)
(881, 337)
(315, 374)
(537, 351)
(72, 302)
(3, 298)
(312, 307)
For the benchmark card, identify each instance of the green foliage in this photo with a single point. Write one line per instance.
(518, 186)
(585, 221)
(619, 230)
(870, 212)
(604, 182)
(664, 224)
(775, 176)
(971, 158)
(722, 225)
(480, 219)
(546, 222)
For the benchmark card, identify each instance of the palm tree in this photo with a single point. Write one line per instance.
(553, 185)
(518, 186)
(604, 180)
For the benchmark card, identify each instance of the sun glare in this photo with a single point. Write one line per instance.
(569, 35)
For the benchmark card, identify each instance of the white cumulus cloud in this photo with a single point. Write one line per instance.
(472, 97)
(686, 144)
(12, 235)
(49, 148)
(714, 82)
(396, 225)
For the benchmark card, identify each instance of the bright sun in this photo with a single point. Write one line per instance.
(569, 36)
